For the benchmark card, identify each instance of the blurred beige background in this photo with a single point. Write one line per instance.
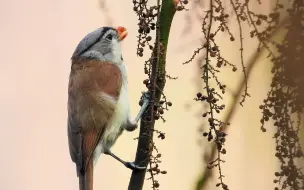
(37, 39)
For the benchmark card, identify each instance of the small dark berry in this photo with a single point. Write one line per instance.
(180, 8)
(210, 137)
(243, 18)
(224, 151)
(147, 30)
(214, 48)
(258, 22)
(140, 54)
(146, 81)
(277, 174)
(140, 30)
(161, 110)
(225, 187)
(156, 117)
(156, 184)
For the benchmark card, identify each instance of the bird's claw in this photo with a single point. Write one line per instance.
(145, 96)
(131, 125)
(144, 102)
(133, 166)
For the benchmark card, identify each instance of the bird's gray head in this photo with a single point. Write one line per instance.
(102, 44)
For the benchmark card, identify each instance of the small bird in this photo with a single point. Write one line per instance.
(98, 105)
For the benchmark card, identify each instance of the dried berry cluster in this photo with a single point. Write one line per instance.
(284, 103)
(214, 61)
(158, 107)
(146, 16)
(154, 167)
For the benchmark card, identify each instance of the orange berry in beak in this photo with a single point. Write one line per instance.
(122, 32)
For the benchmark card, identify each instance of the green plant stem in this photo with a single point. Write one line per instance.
(158, 80)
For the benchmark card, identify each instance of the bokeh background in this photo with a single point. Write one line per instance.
(38, 38)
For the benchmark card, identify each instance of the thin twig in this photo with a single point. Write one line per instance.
(207, 174)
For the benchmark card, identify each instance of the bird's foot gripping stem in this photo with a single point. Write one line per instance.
(133, 166)
(130, 165)
(144, 102)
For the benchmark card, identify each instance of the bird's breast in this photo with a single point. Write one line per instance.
(115, 128)
(122, 111)
(121, 114)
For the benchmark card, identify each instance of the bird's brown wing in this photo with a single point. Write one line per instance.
(89, 108)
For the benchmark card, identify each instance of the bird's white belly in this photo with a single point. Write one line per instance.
(114, 129)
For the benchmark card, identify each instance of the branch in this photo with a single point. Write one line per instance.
(207, 174)
(158, 79)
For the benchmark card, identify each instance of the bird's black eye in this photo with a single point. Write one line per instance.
(109, 37)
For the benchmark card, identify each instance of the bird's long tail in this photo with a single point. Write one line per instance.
(86, 178)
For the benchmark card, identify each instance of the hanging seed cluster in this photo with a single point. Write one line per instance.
(212, 95)
(284, 103)
(160, 107)
(154, 169)
(146, 23)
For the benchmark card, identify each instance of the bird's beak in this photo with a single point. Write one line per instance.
(122, 32)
